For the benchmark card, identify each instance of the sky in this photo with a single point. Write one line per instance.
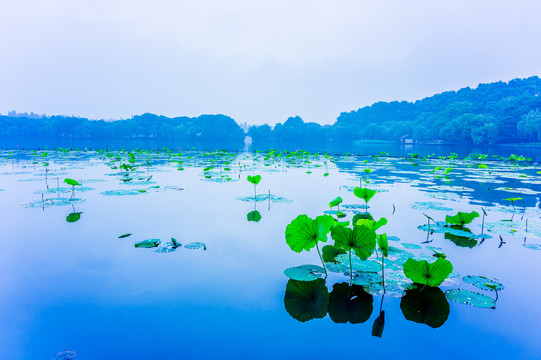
(256, 61)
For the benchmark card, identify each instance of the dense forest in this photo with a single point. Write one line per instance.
(491, 113)
(204, 127)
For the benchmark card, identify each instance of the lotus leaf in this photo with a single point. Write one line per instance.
(361, 239)
(303, 232)
(432, 274)
(461, 218)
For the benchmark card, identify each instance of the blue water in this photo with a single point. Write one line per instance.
(77, 286)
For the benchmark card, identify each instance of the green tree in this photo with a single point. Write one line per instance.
(529, 125)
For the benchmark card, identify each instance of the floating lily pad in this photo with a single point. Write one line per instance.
(430, 205)
(532, 246)
(367, 278)
(265, 197)
(167, 247)
(121, 192)
(483, 283)
(411, 246)
(524, 191)
(393, 238)
(195, 245)
(148, 243)
(305, 272)
(470, 298)
(55, 201)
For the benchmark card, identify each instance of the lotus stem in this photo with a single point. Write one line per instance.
(321, 258)
(382, 273)
(350, 268)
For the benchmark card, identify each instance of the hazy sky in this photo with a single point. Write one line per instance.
(256, 61)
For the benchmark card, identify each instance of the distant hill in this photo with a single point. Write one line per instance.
(492, 113)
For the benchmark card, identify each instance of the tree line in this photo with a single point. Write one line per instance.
(492, 113)
(500, 112)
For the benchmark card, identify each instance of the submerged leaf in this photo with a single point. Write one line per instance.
(306, 300)
(379, 323)
(254, 216)
(422, 272)
(73, 217)
(349, 304)
(425, 306)
(303, 232)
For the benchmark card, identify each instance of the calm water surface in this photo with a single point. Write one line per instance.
(78, 286)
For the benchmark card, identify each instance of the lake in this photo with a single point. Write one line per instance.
(75, 285)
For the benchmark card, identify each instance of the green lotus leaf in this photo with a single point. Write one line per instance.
(425, 306)
(306, 300)
(253, 216)
(361, 239)
(383, 244)
(254, 179)
(371, 224)
(305, 272)
(148, 243)
(447, 170)
(461, 218)
(73, 217)
(357, 217)
(432, 274)
(303, 232)
(364, 193)
(329, 253)
(335, 202)
(124, 235)
(71, 182)
(349, 304)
